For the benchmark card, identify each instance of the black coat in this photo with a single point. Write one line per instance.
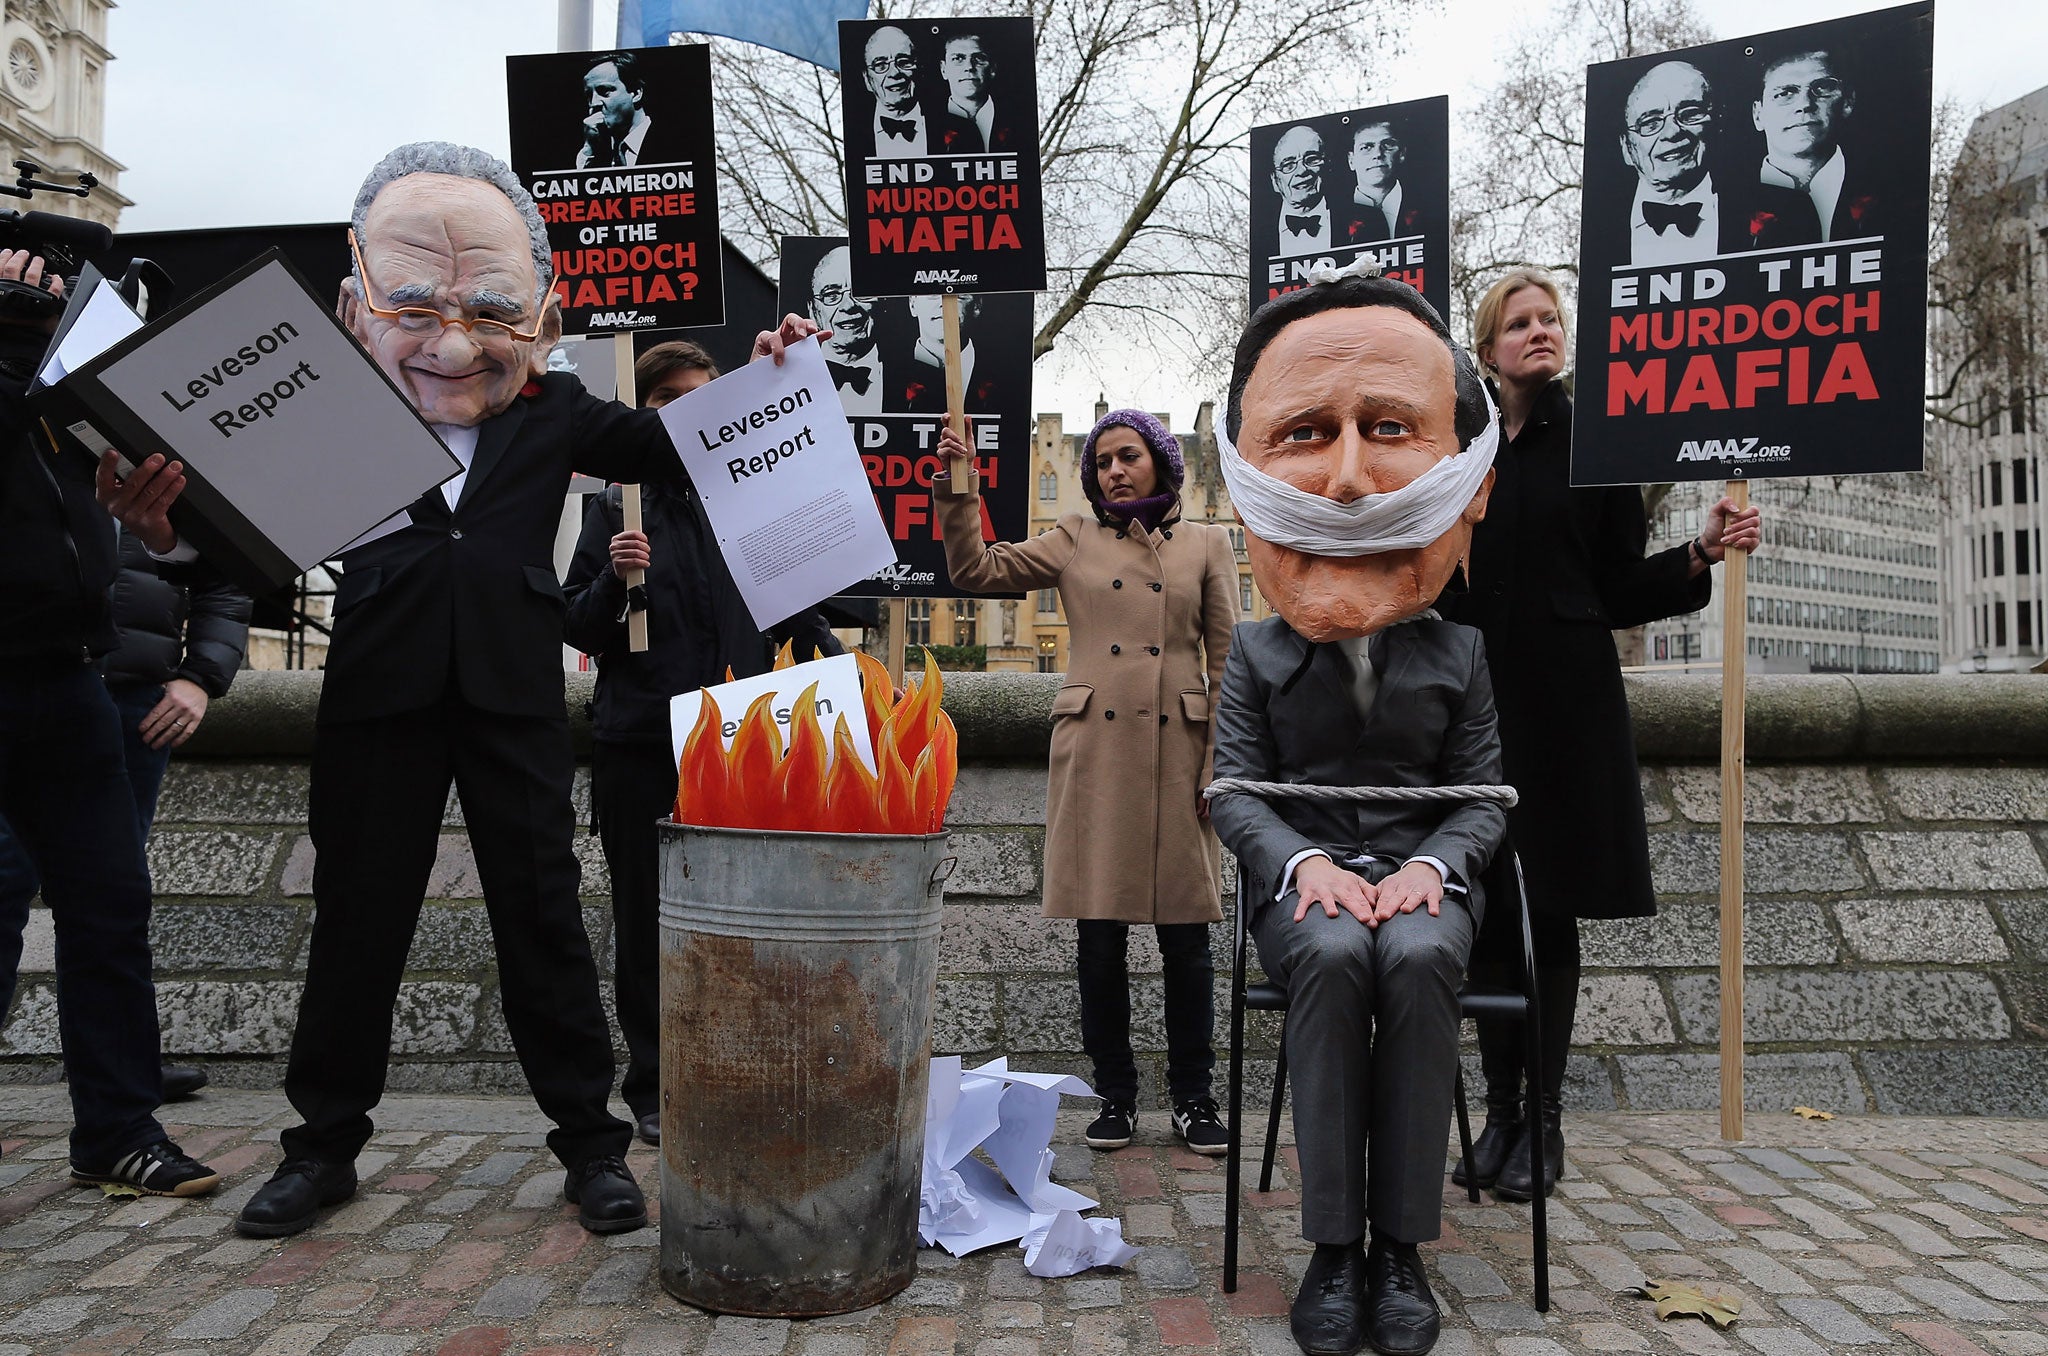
(697, 623)
(466, 601)
(56, 542)
(177, 620)
(1554, 572)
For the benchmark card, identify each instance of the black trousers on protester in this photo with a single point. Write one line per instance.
(379, 787)
(1106, 1008)
(632, 786)
(64, 791)
(1501, 1049)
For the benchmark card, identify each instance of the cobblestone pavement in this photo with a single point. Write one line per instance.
(1865, 1232)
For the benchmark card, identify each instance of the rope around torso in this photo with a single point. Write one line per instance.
(1238, 786)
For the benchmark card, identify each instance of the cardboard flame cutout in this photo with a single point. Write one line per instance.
(757, 785)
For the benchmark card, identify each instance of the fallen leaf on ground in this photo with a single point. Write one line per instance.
(1677, 1297)
(120, 1189)
(1812, 1114)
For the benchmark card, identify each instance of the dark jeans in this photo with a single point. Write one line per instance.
(64, 791)
(1106, 1008)
(18, 883)
(379, 788)
(631, 786)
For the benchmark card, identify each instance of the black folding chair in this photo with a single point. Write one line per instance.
(1501, 880)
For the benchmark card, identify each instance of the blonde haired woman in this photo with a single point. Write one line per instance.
(1554, 572)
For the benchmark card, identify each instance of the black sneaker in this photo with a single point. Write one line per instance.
(1112, 1129)
(159, 1169)
(1199, 1126)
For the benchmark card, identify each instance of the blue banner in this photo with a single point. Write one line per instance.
(803, 28)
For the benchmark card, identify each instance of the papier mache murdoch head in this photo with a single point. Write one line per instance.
(1359, 452)
(450, 289)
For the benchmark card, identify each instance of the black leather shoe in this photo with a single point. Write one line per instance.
(1401, 1315)
(607, 1198)
(1490, 1150)
(1547, 1130)
(182, 1080)
(1328, 1317)
(287, 1203)
(648, 1127)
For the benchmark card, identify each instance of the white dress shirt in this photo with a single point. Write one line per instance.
(629, 149)
(1825, 187)
(1389, 207)
(889, 147)
(852, 401)
(1671, 245)
(461, 441)
(1315, 242)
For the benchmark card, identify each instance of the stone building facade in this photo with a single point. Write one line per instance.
(1990, 448)
(53, 101)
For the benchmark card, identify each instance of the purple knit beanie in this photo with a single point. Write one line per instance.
(1165, 450)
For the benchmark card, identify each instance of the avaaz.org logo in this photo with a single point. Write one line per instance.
(1732, 449)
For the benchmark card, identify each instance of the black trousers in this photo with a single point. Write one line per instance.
(1106, 1008)
(64, 791)
(632, 786)
(378, 791)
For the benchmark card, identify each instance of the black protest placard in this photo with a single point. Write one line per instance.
(1753, 276)
(942, 182)
(887, 359)
(1338, 186)
(617, 150)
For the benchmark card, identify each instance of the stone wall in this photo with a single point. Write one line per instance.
(1897, 917)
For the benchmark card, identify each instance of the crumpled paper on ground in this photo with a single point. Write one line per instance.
(1064, 1244)
(963, 1204)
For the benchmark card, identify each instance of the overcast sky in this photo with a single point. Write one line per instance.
(244, 112)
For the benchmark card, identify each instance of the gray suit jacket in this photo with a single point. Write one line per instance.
(1431, 724)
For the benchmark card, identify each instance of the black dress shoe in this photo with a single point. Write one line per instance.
(648, 1127)
(607, 1198)
(287, 1203)
(1328, 1317)
(1401, 1315)
(182, 1080)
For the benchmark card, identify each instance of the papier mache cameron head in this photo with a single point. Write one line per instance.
(450, 289)
(1359, 455)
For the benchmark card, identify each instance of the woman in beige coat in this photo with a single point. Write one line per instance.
(1150, 601)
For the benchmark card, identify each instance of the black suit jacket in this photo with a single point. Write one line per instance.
(923, 388)
(1362, 225)
(1781, 216)
(1431, 724)
(466, 600)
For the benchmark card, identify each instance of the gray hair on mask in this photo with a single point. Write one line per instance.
(462, 162)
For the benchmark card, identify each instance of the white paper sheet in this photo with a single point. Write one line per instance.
(1064, 1244)
(773, 459)
(966, 1205)
(838, 680)
(105, 321)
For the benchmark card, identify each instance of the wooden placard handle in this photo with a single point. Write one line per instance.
(1734, 651)
(636, 620)
(956, 392)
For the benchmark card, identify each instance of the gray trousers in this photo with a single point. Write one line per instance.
(1372, 1049)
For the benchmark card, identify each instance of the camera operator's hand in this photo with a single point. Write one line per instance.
(23, 267)
(173, 720)
(142, 501)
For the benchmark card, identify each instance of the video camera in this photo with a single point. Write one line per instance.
(64, 243)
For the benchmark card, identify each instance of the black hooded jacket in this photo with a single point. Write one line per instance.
(176, 620)
(56, 543)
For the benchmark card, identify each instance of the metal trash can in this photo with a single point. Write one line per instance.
(797, 972)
